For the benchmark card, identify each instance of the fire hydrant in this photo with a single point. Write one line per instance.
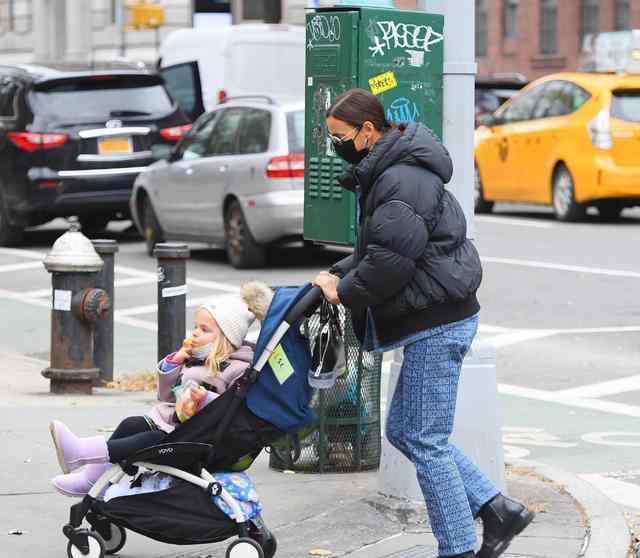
(77, 305)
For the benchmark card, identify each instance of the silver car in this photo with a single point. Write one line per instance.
(236, 180)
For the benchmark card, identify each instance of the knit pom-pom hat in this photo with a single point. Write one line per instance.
(235, 315)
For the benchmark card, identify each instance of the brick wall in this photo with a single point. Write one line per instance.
(522, 54)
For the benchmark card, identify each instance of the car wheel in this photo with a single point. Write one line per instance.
(242, 249)
(609, 210)
(151, 228)
(565, 206)
(93, 225)
(481, 205)
(9, 234)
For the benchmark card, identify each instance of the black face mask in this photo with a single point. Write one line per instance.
(347, 151)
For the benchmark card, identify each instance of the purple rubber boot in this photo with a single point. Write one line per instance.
(78, 483)
(74, 452)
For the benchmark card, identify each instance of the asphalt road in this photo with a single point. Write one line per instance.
(560, 303)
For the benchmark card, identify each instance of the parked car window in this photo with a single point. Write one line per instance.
(183, 82)
(256, 129)
(295, 131)
(101, 98)
(224, 140)
(196, 143)
(625, 105)
(578, 95)
(521, 107)
(8, 91)
(556, 100)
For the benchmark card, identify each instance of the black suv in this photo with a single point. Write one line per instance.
(72, 142)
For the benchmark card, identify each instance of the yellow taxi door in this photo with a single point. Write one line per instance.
(552, 130)
(502, 156)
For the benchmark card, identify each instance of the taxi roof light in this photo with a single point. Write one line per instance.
(612, 51)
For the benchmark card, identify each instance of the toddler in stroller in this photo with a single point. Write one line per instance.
(257, 402)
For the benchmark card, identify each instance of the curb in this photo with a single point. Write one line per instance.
(607, 532)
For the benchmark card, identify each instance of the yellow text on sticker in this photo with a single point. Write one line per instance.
(280, 364)
(383, 82)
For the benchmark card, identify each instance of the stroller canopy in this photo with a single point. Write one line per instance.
(281, 394)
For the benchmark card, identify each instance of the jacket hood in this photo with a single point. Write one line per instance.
(244, 354)
(411, 143)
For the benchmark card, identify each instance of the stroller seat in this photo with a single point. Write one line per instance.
(181, 455)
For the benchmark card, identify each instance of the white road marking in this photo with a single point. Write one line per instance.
(225, 287)
(623, 493)
(118, 283)
(603, 389)
(519, 436)
(28, 254)
(12, 295)
(610, 407)
(147, 309)
(514, 337)
(513, 221)
(563, 267)
(514, 452)
(20, 266)
(601, 439)
(135, 322)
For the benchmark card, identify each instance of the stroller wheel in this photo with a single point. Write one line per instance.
(259, 532)
(116, 540)
(244, 548)
(94, 549)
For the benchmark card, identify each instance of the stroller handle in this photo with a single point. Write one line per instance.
(306, 306)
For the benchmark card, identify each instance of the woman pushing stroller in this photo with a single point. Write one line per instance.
(206, 365)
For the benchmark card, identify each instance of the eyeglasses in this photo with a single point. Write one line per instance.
(337, 140)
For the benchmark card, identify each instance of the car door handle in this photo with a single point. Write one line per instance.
(188, 171)
(223, 168)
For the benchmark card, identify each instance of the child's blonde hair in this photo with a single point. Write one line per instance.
(221, 351)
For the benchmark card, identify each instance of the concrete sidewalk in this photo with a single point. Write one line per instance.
(334, 515)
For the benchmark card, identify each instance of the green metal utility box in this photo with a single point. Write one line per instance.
(395, 54)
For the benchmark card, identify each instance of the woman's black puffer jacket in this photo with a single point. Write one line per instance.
(413, 265)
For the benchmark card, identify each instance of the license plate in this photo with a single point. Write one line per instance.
(115, 146)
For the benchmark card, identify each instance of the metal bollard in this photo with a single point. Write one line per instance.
(103, 333)
(172, 296)
(77, 305)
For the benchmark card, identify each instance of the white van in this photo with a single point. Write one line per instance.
(203, 66)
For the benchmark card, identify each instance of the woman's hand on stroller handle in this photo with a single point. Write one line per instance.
(329, 285)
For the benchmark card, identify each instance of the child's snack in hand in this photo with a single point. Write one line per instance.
(190, 398)
(185, 351)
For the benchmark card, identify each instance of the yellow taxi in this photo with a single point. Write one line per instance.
(568, 140)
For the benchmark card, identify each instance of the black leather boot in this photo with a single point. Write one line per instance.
(502, 519)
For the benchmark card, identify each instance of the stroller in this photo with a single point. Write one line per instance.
(270, 400)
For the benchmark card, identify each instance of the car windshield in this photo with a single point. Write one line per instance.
(101, 98)
(625, 105)
(295, 128)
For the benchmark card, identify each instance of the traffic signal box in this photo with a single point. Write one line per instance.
(398, 56)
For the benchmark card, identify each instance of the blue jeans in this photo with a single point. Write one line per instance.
(419, 424)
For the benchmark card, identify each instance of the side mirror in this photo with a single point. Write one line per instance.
(161, 151)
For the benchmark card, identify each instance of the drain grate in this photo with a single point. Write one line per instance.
(415, 552)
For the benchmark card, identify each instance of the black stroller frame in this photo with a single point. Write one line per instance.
(107, 536)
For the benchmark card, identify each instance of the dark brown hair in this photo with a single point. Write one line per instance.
(356, 106)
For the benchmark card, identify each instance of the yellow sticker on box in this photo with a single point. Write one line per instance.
(280, 364)
(383, 82)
